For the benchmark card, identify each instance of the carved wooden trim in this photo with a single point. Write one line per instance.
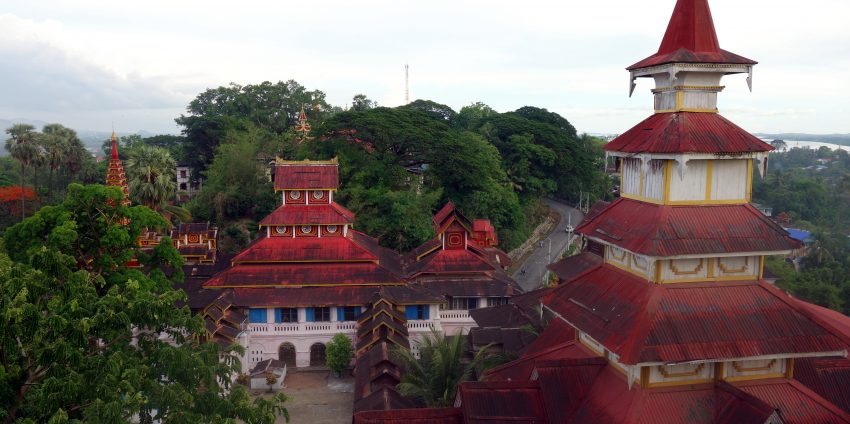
(742, 369)
(694, 372)
(727, 270)
(695, 271)
(613, 255)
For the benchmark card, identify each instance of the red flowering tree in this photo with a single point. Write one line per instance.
(10, 203)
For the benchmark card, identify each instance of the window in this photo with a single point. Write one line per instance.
(182, 173)
(286, 315)
(347, 313)
(182, 186)
(257, 315)
(318, 314)
(416, 312)
(460, 303)
(496, 301)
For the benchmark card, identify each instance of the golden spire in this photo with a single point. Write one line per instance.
(302, 126)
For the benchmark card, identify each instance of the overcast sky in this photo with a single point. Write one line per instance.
(89, 64)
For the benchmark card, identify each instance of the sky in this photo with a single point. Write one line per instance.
(136, 65)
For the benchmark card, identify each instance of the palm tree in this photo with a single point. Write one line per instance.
(151, 175)
(441, 367)
(56, 143)
(21, 146)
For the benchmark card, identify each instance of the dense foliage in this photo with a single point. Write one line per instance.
(87, 339)
(339, 353)
(812, 187)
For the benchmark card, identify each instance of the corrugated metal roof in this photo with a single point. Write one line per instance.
(646, 322)
(568, 268)
(304, 296)
(411, 416)
(501, 401)
(327, 214)
(690, 38)
(297, 274)
(658, 230)
(687, 132)
(826, 377)
(796, 403)
(306, 177)
(299, 249)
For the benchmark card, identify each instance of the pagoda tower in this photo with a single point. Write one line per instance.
(115, 176)
(674, 322)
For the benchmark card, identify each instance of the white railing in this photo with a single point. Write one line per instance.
(455, 314)
(332, 327)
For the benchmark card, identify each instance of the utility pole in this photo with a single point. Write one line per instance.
(406, 86)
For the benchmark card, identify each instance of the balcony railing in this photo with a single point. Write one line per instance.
(329, 327)
(460, 314)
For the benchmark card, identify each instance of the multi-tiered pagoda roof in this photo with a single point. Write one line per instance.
(673, 322)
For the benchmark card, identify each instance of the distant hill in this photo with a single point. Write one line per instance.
(92, 139)
(842, 139)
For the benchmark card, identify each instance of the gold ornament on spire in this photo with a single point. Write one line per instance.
(302, 126)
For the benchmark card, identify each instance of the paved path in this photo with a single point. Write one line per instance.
(535, 264)
(316, 398)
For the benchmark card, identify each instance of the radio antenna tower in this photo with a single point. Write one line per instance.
(406, 86)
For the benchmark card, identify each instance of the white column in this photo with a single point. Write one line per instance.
(302, 315)
(482, 302)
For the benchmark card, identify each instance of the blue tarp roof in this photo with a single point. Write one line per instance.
(801, 235)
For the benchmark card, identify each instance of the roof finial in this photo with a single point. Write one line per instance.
(114, 145)
(302, 126)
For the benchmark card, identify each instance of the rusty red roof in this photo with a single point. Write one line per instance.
(450, 261)
(691, 38)
(646, 322)
(568, 268)
(658, 230)
(827, 377)
(471, 287)
(303, 296)
(797, 403)
(327, 214)
(306, 177)
(302, 249)
(501, 401)
(443, 213)
(564, 384)
(687, 132)
(306, 274)
(411, 416)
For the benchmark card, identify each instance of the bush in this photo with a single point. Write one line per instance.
(339, 353)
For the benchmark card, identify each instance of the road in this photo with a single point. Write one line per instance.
(535, 264)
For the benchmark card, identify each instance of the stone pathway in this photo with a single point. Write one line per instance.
(317, 398)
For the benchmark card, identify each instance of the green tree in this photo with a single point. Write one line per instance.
(360, 103)
(151, 177)
(441, 367)
(339, 353)
(470, 117)
(86, 339)
(57, 142)
(22, 146)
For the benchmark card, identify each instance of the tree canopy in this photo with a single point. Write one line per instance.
(87, 339)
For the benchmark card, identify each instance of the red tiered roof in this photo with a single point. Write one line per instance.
(306, 177)
(303, 274)
(646, 322)
(298, 249)
(115, 176)
(687, 132)
(658, 230)
(326, 214)
(691, 38)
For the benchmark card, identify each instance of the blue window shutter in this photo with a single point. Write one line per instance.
(257, 315)
(278, 314)
(410, 312)
(426, 311)
(310, 317)
(340, 313)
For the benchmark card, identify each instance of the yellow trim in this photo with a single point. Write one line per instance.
(627, 269)
(644, 376)
(761, 267)
(719, 369)
(642, 199)
(710, 271)
(709, 175)
(706, 280)
(680, 383)
(694, 271)
(789, 368)
(333, 161)
(740, 368)
(622, 258)
(633, 262)
(686, 109)
(428, 252)
(662, 369)
(725, 270)
(668, 177)
(755, 377)
(707, 202)
(680, 100)
(658, 271)
(749, 195)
